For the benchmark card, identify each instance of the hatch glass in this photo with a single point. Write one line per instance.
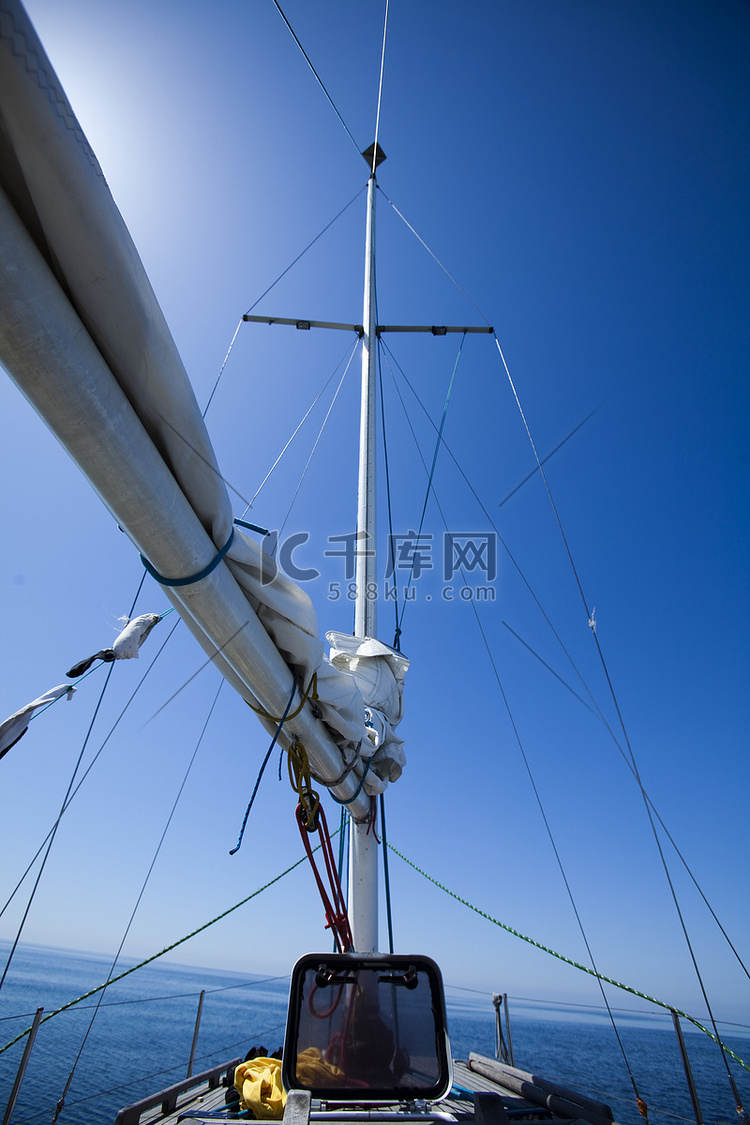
(367, 1028)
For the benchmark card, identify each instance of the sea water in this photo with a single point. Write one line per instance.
(140, 1040)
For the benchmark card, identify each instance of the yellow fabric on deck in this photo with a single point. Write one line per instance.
(259, 1085)
(313, 1070)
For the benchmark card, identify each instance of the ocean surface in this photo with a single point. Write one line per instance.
(141, 1038)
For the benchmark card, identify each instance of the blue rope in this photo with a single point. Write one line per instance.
(438, 443)
(252, 526)
(235, 849)
(348, 800)
(194, 577)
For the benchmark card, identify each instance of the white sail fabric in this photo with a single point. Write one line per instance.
(16, 725)
(55, 186)
(127, 643)
(125, 646)
(378, 672)
(288, 615)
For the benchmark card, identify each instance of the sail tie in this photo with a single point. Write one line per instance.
(193, 577)
(311, 692)
(348, 800)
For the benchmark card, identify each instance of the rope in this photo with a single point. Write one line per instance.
(70, 793)
(282, 720)
(61, 1102)
(348, 800)
(342, 842)
(194, 577)
(312, 687)
(568, 960)
(301, 782)
(221, 369)
(643, 1110)
(438, 443)
(337, 919)
(544, 460)
(161, 953)
(592, 624)
(596, 709)
(311, 818)
(547, 619)
(386, 874)
(91, 764)
(596, 712)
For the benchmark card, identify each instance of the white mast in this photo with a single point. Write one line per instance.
(363, 854)
(365, 611)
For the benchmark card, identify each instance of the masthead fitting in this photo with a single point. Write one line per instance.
(368, 155)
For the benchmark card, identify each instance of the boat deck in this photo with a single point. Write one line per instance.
(483, 1091)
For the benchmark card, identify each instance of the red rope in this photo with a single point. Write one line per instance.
(334, 906)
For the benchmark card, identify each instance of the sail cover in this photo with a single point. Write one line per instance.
(84, 337)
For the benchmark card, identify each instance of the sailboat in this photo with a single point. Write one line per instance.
(461, 776)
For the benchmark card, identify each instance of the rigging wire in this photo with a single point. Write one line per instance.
(501, 540)
(273, 284)
(573, 692)
(596, 709)
(568, 961)
(65, 803)
(430, 477)
(621, 719)
(61, 1103)
(220, 1052)
(89, 767)
(317, 76)
(380, 93)
(309, 246)
(640, 1103)
(435, 258)
(464, 902)
(389, 505)
(544, 460)
(161, 953)
(299, 426)
(315, 444)
(598, 714)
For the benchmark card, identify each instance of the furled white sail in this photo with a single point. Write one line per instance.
(378, 671)
(83, 336)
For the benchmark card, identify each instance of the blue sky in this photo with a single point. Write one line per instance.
(581, 171)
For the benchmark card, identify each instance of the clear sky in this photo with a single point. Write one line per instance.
(580, 169)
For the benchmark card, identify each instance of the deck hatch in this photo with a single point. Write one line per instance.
(367, 1028)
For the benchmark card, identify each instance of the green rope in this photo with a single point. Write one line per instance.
(568, 961)
(155, 956)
